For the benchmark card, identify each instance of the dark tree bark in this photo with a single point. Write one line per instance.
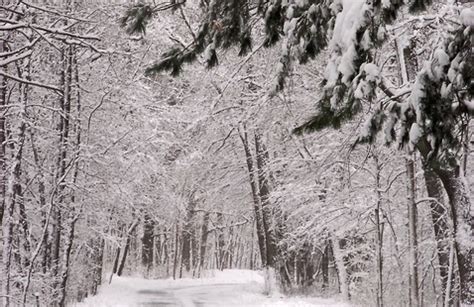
(463, 227)
(255, 195)
(11, 196)
(116, 261)
(204, 236)
(126, 248)
(325, 265)
(148, 242)
(463, 221)
(220, 243)
(439, 216)
(67, 259)
(61, 163)
(187, 235)
(413, 238)
(45, 251)
(264, 189)
(3, 139)
(97, 263)
(176, 250)
(379, 233)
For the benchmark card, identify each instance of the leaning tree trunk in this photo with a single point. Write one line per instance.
(126, 247)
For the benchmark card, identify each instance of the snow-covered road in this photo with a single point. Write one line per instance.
(192, 296)
(232, 288)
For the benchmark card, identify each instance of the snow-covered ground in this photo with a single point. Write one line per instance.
(229, 288)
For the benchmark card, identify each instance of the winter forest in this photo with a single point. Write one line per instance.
(151, 152)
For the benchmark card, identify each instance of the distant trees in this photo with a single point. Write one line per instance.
(109, 166)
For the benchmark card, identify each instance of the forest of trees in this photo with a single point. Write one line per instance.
(328, 143)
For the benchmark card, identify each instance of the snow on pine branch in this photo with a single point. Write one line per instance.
(354, 18)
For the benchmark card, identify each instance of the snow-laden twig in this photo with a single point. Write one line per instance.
(33, 83)
(15, 58)
(11, 25)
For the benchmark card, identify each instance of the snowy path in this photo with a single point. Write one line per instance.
(233, 288)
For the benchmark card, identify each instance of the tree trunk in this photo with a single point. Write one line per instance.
(61, 165)
(204, 236)
(176, 250)
(13, 180)
(325, 266)
(220, 242)
(187, 235)
(463, 222)
(379, 234)
(413, 243)
(126, 247)
(148, 243)
(42, 202)
(264, 193)
(256, 199)
(3, 139)
(72, 70)
(67, 259)
(98, 259)
(341, 268)
(439, 216)
(23, 219)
